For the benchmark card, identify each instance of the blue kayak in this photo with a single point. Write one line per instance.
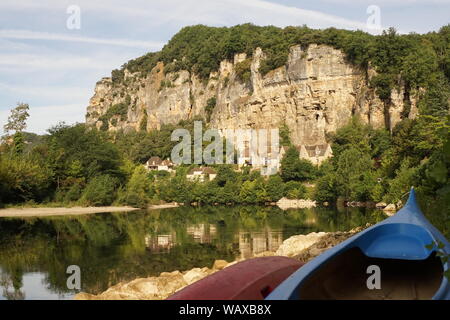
(395, 251)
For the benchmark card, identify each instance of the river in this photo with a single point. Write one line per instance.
(114, 247)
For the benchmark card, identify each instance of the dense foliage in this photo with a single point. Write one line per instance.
(371, 165)
(420, 60)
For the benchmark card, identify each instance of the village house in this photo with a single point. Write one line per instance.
(157, 164)
(316, 154)
(201, 174)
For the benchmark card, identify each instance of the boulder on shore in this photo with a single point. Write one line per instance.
(219, 264)
(390, 209)
(324, 243)
(196, 274)
(296, 244)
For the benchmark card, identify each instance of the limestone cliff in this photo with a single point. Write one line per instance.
(315, 93)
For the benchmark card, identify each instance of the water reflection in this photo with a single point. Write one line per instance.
(160, 243)
(114, 247)
(253, 243)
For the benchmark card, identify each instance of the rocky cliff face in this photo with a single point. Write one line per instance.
(315, 93)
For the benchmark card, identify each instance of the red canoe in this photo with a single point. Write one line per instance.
(252, 279)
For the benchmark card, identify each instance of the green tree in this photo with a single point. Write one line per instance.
(22, 179)
(406, 177)
(275, 188)
(17, 121)
(247, 193)
(289, 165)
(137, 188)
(86, 151)
(306, 170)
(225, 174)
(353, 176)
(100, 191)
(419, 64)
(295, 190)
(294, 168)
(230, 192)
(285, 135)
(14, 127)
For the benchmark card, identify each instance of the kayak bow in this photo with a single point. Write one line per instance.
(397, 245)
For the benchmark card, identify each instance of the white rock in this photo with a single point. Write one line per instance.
(295, 244)
(194, 275)
(390, 209)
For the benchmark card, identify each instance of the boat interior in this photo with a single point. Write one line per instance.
(345, 277)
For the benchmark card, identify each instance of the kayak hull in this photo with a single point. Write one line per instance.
(397, 245)
(252, 279)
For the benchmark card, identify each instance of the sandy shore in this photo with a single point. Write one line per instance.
(47, 212)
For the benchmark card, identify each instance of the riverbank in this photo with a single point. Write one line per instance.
(300, 247)
(72, 211)
(48, 212)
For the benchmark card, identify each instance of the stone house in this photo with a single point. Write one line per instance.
(316, 154)
(157, 164)
(201, 174)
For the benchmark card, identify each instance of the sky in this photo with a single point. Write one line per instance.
(52, 52)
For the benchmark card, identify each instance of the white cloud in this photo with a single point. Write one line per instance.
(33, 62)
(48, 92)
(390, 3)
(197, 11)
(33, 35)
(288, 15)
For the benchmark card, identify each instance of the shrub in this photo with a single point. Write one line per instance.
(100, 191)
(243, 71)
(275, 188)
(210, 105)
(295, 190)
(74, 193)
(137, 188)
(22, 180)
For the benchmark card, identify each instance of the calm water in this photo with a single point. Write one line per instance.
(114, 247)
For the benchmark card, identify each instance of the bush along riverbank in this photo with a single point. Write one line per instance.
(300, 247)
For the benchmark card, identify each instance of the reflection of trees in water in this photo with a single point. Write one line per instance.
(110, 248)
(11, 284)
